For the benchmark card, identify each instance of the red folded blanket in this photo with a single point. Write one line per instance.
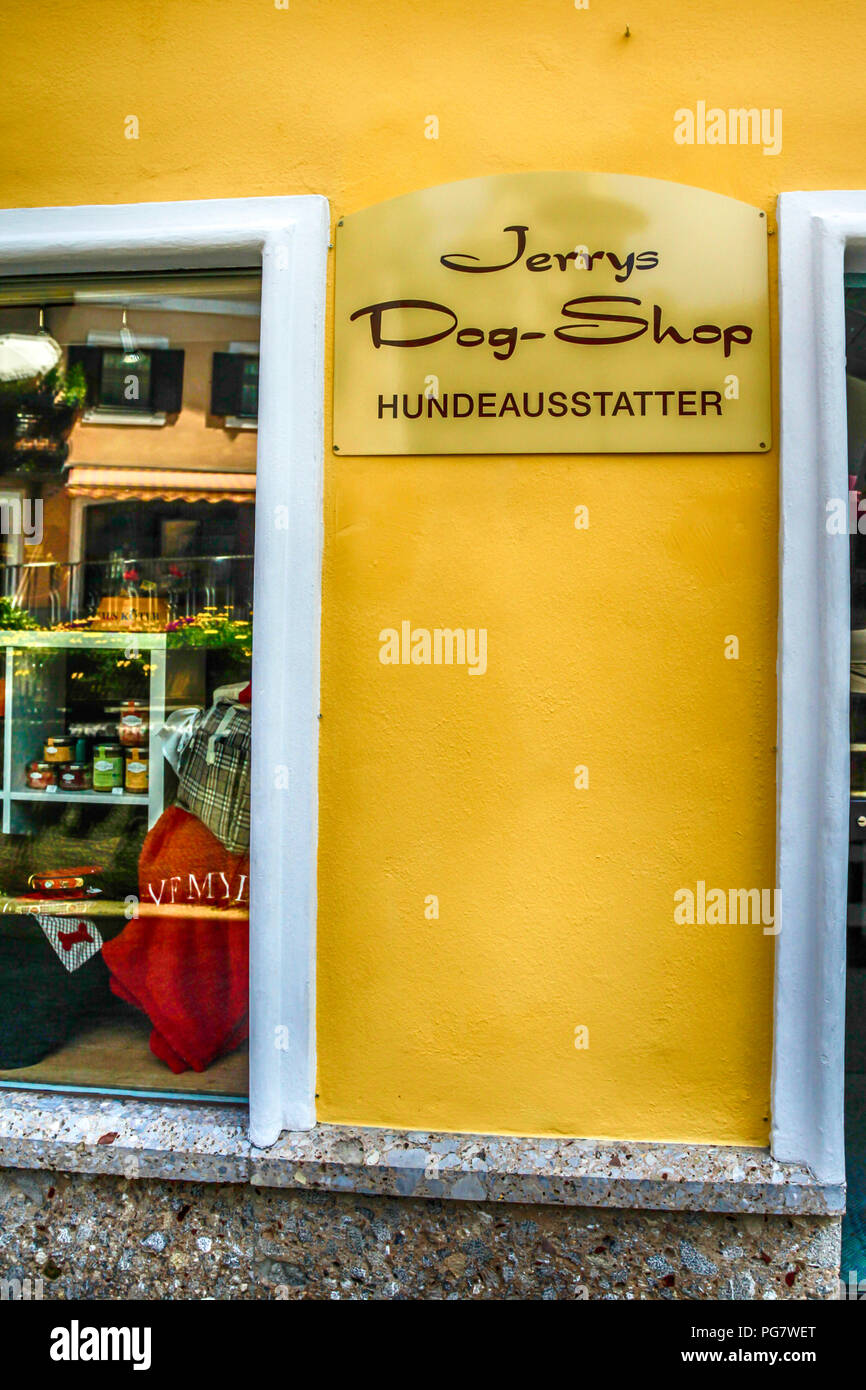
(188, 973)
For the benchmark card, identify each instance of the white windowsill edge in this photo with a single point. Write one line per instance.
(122, 417)
(210, 1143)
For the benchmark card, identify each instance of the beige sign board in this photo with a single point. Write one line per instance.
(552, 313)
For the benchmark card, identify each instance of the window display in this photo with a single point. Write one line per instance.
(125, 665)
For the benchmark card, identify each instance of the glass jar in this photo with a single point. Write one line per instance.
(40, 776)
(107, 767)
(136, 770)
(58, 749)
(75, 777)
(132, 729)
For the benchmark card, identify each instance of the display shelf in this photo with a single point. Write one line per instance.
(36, 709)
(95, 798)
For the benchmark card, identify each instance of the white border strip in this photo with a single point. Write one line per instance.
(813, 675)
(289, 238)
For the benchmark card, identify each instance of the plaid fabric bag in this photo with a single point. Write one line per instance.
(214, 774)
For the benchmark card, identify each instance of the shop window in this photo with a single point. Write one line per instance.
(126, 643)
(124, 616)
(854, 1225)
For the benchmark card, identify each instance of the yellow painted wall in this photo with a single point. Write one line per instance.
(606, 647)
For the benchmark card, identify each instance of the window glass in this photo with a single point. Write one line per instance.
(854, 522)
(249, 404)
(125, 381)
(126, 603)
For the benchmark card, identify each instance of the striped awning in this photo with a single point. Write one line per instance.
(165, 484)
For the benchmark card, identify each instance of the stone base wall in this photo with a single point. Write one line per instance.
(98, 1237)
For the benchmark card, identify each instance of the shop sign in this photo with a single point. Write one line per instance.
(553, 313)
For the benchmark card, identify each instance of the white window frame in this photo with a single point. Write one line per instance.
(287, 237)
(821, 234)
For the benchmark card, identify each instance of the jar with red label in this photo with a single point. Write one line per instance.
(132, 729)
(40, 776)
(75, 777)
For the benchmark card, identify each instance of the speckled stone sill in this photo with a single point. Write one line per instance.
(208, 1143)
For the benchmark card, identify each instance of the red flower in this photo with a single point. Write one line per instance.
(131, 575)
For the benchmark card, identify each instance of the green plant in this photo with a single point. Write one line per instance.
(37, 417)
(71, 386)
(215, 629)
(108, 674)
(15, 619)
(58, 389)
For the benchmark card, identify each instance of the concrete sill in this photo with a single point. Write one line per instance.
(208, 1143)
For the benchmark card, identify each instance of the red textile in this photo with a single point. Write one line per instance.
(189, 974)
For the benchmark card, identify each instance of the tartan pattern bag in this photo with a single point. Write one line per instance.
(214, 774)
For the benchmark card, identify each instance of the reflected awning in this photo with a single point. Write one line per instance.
(160, 484)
